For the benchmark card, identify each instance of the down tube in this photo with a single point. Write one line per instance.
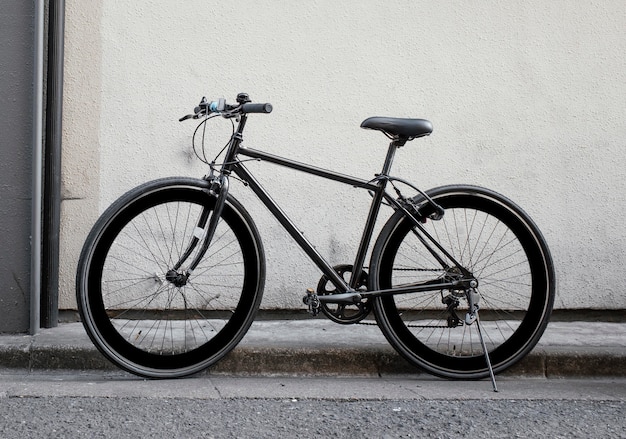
(288, 225)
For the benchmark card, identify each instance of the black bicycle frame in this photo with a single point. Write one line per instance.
(377, 187)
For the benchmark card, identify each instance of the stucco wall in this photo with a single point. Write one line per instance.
(527, 98)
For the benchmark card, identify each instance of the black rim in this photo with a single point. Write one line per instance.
(213, 347)
(531, 325)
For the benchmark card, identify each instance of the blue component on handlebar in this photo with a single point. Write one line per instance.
(213, 106)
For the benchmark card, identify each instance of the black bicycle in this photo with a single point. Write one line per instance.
(171, 276)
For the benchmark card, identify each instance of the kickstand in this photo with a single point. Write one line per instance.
(482, 342)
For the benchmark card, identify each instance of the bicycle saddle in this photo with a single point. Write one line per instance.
(408, 129)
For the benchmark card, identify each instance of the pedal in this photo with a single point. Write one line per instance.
(312, 301)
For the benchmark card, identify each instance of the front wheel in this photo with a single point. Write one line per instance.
(499, 244)
(141, 317)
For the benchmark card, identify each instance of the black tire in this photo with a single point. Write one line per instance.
(497, 242)
(144, 323)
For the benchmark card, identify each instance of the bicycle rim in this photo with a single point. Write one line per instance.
(145, 323)
(499, 244)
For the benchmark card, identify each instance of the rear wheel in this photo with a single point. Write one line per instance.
(144, 319)
(500, 245)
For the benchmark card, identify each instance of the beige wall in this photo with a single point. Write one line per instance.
(527, 98)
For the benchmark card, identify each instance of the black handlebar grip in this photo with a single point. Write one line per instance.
(256, 108)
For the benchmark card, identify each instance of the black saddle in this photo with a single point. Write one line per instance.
(404, 129)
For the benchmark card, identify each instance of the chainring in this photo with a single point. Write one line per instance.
(346, 314)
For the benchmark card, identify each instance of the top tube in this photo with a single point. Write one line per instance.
(314, 170)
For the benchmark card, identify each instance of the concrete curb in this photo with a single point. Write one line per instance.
(321, 348)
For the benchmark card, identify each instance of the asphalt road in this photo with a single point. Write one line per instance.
(117, 405)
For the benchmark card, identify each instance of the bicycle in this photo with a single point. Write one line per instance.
(171, 276)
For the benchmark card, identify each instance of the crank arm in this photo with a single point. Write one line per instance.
(342, 298)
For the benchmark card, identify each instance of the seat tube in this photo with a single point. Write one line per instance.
(372, 217)
(391, 152)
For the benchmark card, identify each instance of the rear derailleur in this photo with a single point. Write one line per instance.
(452, 302)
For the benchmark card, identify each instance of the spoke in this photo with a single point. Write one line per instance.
(487, 248)
(156, 240)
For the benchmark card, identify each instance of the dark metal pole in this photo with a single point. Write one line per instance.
(36, 229)
(52, 167)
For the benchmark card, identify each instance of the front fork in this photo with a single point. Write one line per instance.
(204, 231)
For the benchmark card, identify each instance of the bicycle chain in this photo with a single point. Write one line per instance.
(418, 269)
(408, 326)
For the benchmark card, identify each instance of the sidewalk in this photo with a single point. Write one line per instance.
(320, 347)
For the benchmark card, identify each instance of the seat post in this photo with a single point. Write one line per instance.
(395, 144)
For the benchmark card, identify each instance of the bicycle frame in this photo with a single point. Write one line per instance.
(377, 186)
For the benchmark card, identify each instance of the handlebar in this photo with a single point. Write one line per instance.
(243, 106)
(256, 108)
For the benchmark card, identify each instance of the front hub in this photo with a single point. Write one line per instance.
(176, 278)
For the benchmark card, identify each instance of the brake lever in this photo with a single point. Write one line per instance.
(188, 116)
